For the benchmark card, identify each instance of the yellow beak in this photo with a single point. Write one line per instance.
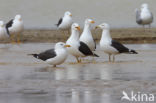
(78, 28)
(92, 22)
(97, 27)
(70, 15)
(67, 46)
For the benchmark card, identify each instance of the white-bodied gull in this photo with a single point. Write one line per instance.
(144, 16)
(65, 22)
(86, 35)
(15, 27)
(109, 46)
(3, 31)
(78, 48)
(54, 56)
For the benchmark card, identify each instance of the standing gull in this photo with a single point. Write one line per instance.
(3, 31)
(78, 48)
(54, 56)
(15, 27)
(144, 16)
(65, 22)
(109, 46)
(86, 35)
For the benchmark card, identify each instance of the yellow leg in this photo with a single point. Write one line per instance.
(18, 39)
(12, 39)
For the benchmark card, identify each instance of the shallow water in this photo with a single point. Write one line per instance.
(24, 79)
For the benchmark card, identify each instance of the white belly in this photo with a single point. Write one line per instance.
(59, 59)
(73, 50)
(109, 49)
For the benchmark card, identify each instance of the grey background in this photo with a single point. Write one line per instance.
(43, 14)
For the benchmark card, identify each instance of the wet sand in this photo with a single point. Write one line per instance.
(124, 35)
(25, 79)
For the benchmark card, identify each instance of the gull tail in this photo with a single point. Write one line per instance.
(132, 51)
(34, 55)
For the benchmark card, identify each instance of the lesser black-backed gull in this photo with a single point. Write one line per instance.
(86, 35)
(78, 48)
(15, 27)
(144, 16)
(109, 46)
(54, 56)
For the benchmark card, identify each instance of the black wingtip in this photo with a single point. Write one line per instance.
(95, 55)
(34, 55)
(133, 52)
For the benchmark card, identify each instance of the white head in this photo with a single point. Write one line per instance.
(1, 24)
(89, 21)
(103, 26)
(18, 17)
(67, 13)
(61, 45)
(75, 27)
(144, 6)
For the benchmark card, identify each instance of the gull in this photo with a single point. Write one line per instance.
(65, 22)
(78, 48)
(86, 35)
(144, 16)
(14, 27)
(109, 46)
(54, 56)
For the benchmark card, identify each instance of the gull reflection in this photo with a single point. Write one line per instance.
(59, 73)
(75, 96)
(88, 96)
(105, 98)
(105, 72)
(73, 72)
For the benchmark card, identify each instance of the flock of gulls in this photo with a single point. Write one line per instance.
(77, 45)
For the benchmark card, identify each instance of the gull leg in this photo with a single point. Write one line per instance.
(113, 58)
(18, 39)
(109, 57)
(77, 60)
(12, 39)
(144, 27)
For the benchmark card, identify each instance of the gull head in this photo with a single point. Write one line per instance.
(103, 26)
(89, 21)
(1, 24)
(60, 45)
(144, 6)
(18, 17)
(67, 13)
(75, 27)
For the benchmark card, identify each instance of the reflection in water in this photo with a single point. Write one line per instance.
(73, 72)
(88, 96)
(59, 73)
(106, 72)
(75, 98)
(105, 98)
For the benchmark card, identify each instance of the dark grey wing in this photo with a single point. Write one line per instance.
(121, 48)
(59, 22)
(83, 48)
(9, 24)
(138, 18)
(47, 54)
